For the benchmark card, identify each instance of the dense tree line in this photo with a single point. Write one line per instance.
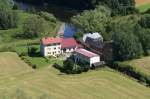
(36, 25)
(93, 20)
(122, 7)
(131, 33)
(8, 17)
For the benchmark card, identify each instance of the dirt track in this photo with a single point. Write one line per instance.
(140, 2)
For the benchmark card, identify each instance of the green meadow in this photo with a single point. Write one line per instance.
(49, 82)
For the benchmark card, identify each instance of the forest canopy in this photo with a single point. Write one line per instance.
(122, 7)
(8, 17)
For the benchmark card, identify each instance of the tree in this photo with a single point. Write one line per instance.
(145, 21)
(48, 16)
(118, 7)
(68, 65)
(92, 20)
(8, 17)
(144, 38)
(148, 11)
(78, 35)
(126, 45)
(34, 26)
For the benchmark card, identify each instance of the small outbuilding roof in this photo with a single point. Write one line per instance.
(86, 53)
(70, 42)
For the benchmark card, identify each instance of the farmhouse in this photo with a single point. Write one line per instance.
(55, 46)
(84, 56)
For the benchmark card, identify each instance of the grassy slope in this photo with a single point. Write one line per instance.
(143, 8)
(142, 5)
(143, 64)
(23, 16)
(102, 84)
(39, 61)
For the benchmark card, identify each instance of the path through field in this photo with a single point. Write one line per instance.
(100, 84)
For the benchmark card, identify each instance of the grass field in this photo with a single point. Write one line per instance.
(142, 5)
(100, 84)
(143, 64)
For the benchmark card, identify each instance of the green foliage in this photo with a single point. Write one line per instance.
(34, 26)
(6, 4)
(148, 11)
(144, 38)
(144, 8)
(126, 46)
(92, 20)
(8, 17)
(48, 16)
(145, 21)
(78, 35)
(16, 7)
(118, 7)
(70, 67)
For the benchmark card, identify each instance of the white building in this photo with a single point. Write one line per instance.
(85, 56)
(56, 46)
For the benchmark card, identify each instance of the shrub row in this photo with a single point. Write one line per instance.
(11, 46)
(78, 70)
(28, 62)
(131, 71)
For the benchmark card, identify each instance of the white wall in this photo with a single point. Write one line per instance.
(51, 50)
(94, 60)
(91, 60)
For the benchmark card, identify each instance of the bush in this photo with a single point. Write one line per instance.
(22, 54)
(48, 16)
(69, 67)
(78, 35)
(7, 48)
(34, 66)
(16, 6)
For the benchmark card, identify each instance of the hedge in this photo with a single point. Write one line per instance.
(10, 46)
(131, 71)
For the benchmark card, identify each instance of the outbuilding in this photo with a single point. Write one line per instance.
(85, 56)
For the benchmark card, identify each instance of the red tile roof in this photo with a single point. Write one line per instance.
(65, 43)
(86, 53)
(70, 42)
(50, 40)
